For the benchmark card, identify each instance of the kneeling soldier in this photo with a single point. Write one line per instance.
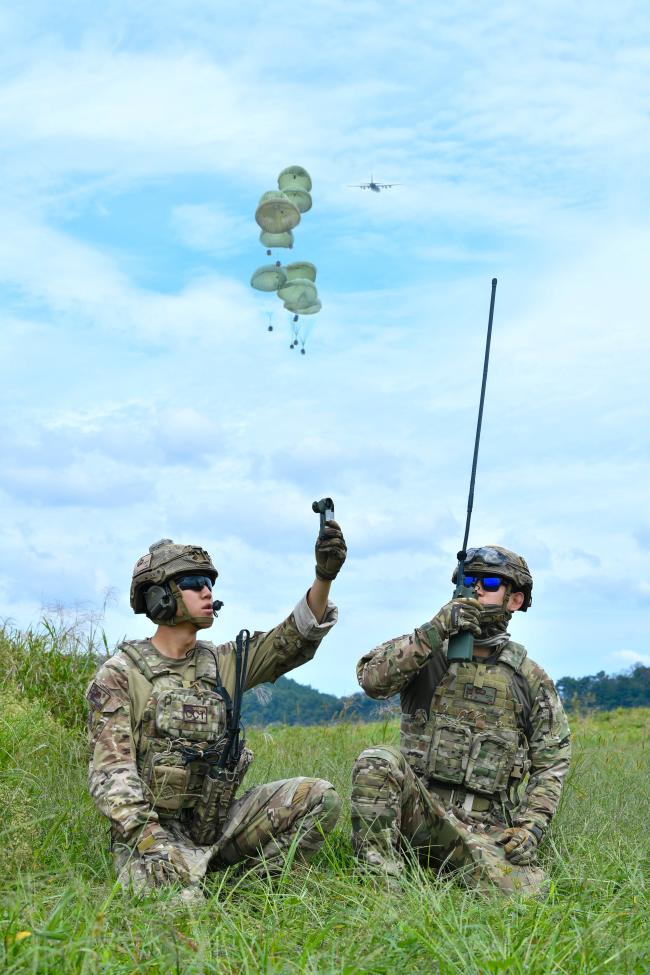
(484, 744)
(164, 728)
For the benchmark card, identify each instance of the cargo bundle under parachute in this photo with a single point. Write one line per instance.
(278, 213)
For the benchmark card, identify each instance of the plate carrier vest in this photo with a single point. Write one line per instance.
(473, 737)
(181, 730)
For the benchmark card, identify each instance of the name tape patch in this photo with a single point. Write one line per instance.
(195, 713)
(482, 695)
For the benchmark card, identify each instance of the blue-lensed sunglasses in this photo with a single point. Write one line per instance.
(196, 582)
(489, 583)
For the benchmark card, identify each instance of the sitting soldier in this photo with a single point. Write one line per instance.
(167, 757)
(484, 744)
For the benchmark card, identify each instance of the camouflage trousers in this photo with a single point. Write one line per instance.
(392, 811)
(260, 828)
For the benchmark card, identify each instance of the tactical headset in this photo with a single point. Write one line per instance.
(161, 603)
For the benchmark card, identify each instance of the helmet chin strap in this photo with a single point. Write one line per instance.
(182, 615)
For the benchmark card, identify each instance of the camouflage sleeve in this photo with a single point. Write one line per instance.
(113, 778)
(391, 666)
(288, 645)
(549, 752)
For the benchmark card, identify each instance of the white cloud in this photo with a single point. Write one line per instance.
(211, 228)
(632, 657)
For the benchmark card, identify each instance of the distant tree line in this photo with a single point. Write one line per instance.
(288, 702)
(630, 689)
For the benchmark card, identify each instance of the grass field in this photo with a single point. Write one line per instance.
(60, 912)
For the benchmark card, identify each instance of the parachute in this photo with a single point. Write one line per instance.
(269, 278)
(275, 240)
(278, 213)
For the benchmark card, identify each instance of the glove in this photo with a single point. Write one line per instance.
(456, 615)
(520, 844)
(330, 551)
(162, 860)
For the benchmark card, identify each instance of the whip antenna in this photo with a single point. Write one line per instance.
(461, 645)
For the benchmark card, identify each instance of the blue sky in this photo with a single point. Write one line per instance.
(143, 396)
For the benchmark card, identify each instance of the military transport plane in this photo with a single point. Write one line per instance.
(373, 185)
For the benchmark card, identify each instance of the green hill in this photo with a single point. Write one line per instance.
(288, 702)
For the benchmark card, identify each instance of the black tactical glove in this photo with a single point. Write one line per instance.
(519, 845)
(330, 551)
(162, 860)
(456, 615)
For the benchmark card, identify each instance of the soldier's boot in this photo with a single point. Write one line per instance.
(302, 823)
(376, 806)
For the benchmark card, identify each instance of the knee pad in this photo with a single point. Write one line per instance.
(331, 806)
(379, 757)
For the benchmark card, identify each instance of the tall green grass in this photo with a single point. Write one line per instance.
(53, 663)
(60, 912)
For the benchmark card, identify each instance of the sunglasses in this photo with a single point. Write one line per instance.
(488, 583)
(196, 582)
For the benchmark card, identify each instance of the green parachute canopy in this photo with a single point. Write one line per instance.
(301, 198)
(276, 213)
(294, 177)
(301, 269)
(309, 310)
(298, 293)
(276, 240)
(270, 277)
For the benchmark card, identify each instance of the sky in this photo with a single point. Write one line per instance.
(143, 396)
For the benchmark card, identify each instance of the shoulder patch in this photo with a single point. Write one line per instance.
(97, 696)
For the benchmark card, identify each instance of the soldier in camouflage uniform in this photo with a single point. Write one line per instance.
(160, 717)
(484, 745)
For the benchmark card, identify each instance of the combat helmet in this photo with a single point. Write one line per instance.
(492, 559)
(153, 589)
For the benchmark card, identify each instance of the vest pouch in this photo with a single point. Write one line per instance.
(414, 740)
(190, 713)
(491, 760)
(217, 795)
(521, 764)
(449, 749)
(166, 785)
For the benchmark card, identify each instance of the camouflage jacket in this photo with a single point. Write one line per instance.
(114, 782)
(410, 666)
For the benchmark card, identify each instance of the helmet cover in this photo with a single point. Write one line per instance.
(164, 561)
(495, 560)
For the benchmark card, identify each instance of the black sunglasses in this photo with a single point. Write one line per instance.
(196, 582)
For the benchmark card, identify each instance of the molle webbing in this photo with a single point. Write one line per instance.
(181, 714)
(472, 734)
(418, 695)
(478, 691)
(202, 667)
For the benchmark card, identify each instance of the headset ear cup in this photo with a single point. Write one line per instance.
(161, 605)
